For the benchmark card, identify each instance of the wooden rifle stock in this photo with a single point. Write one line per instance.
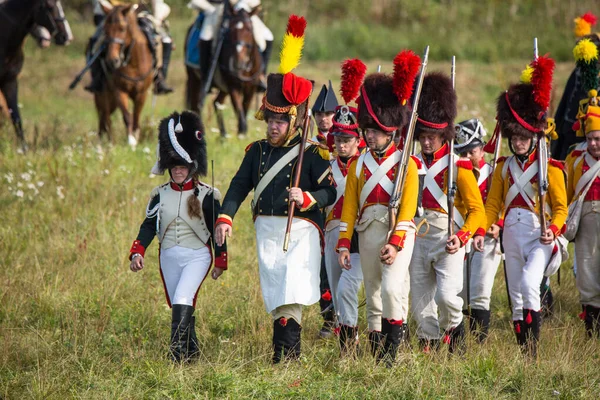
(297, 173)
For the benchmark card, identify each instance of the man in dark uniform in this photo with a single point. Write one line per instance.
(289, 279)
(323, 111)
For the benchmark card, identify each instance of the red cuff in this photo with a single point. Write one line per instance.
(137, 247)
(480, 232)
(398, 241)
(221, 261)
(500, 223)
(224, 219)
(343, 242)
(307, 201)
(554, 230)
(463, 236)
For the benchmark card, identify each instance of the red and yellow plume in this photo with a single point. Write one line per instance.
(293, 42)
(353, 73)
(584, 23)
(541, 79)
(406, 67)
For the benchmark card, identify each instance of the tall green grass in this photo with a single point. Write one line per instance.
(76, 323)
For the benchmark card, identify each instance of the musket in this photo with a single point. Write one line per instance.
(297, 173)
(451, 195)
(85, 69)
(542, 167)
(215, 58)
(406, 153)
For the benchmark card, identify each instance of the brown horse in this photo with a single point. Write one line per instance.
(237, 74)
(129, 69)
(17, 19)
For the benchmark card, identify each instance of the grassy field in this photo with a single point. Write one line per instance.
(76, 323)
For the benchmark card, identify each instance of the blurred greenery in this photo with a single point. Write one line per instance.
(489, 30)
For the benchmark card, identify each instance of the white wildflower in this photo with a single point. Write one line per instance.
(59, 192)
(106, 172)
(146, 150)
(19, 184)
(26, 176)
(9, 177)
(40, 183)
(31, 186)
(19, 193)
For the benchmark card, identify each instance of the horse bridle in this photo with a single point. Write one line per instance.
(248, 67)
(48, 12)
(125, 56)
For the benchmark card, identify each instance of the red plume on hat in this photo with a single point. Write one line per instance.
(353, 74)
(541, 79)
(406, 67)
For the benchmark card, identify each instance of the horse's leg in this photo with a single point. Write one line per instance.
(10, 89)
(248, 96)
(122, 100)
(236, 100)
(218, 107)
(138, 106)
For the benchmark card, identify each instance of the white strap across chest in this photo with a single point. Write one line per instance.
(522, 182)
(435, 189)
(340, 181)
(378, 175)
(274, 170)
(589, 175)
(484, 173)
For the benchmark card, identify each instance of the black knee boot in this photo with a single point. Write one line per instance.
(181, 322)
(519, 329)
(376, 340)
(348, 340)
(205, 49)
(266, 56)
(591, 318)
(532, 322)
(456, 338)
(286, 339)
(328, 313)
(393, 334)
(479, 324)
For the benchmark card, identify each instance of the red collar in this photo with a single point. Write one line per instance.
(347, 164)
(441, 152)
(188, 185)
(481, 163)
(390, 150)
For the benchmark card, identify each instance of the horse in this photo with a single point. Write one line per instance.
(129, 68)
(237, 74)
(17, 19)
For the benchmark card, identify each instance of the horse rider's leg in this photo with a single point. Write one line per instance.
(205, 48)
(138, 106)
(96, 71)
(167, 49)
(264, 39)
(156, 48)
(236, 100)
(219, 106)
(10, 90)
(122, 99)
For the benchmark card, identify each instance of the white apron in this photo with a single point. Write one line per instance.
(292, 277)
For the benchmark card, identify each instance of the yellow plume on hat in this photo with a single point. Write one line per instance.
(292, 45)
(526, 74)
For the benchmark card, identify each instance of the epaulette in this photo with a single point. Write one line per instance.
(250, 146)
(417, 161)
(214, 190)
(154, 191)
(319, 149)
(556, 163)
(464, 163)
(576, 153)
(501, 159)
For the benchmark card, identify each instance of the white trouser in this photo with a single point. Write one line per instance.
(212, 21)
(484, 265)
(293, 311)
(344, 284)
(386, 286)
(183, 271)
(587, 251)
(436, 279)
(526, 259)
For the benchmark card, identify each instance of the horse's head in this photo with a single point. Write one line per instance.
(242, 41)
(51, 16)
(118, 35)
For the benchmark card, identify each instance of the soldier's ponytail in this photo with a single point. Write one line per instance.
(194, 206)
